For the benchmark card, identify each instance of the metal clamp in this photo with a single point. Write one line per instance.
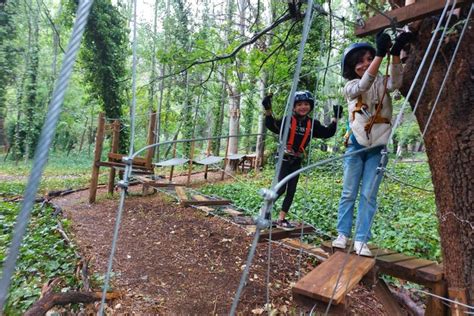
(122, 184)
(268, 194)
(127, 160)
(262, 223)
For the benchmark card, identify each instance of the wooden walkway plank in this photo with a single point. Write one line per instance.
(432, 273)
(206, 202)
(411, 266)
(320, 283)
(278, 233)
(316, 251)
(182, 197)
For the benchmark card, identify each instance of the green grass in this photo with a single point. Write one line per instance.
(60, 173)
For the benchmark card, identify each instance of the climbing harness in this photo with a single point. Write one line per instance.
(291, 138)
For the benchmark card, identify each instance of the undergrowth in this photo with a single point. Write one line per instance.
(44, 255)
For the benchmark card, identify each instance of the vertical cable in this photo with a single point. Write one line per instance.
(42, 150)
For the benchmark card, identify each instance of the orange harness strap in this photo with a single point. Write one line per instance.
(376, 118)
(291, 138)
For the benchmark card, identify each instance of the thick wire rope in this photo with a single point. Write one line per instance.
(132, 138)
(308, 162)
(448, 70)
(288, 112)
(44, 143)
(435, 55)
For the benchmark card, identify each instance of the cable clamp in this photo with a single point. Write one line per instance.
(268, 194)
(262, 223)
(122, 184)
(127, 160)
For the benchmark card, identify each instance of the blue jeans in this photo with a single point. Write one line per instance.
(360, 170)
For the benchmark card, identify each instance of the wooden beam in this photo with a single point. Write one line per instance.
(115, 148)
(116, 157)
(385, 296)
(435, 306)
(150, 140)
(417, 11)
(99, 142)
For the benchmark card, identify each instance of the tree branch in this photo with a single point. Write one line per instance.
(252, 40)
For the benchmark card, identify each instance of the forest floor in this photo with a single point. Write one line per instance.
(179, 260)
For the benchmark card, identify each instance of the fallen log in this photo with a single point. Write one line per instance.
(49, 300)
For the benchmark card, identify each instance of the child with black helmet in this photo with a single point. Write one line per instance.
(299, 136)
(370, 114)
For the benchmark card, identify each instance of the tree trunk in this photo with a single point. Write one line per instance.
(261, 126)
(449, 142)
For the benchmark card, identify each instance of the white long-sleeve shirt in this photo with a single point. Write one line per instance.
(371, 89)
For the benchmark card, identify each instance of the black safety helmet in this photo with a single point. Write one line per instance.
(348, 52)
(305, 96)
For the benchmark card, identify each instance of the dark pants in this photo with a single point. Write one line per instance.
(289, 165)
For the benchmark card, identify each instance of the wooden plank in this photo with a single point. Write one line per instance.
(385, 297)
(417, 11)
(206, 202)
(390, 259)
(309, 249)
(410, 266)
(433, 273)
(182, 197)
(278, 233)
(327, 246)
(321, 282)
(115, 157)
(232, 212)
(112, 164)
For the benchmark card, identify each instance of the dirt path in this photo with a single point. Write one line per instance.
(175, 260)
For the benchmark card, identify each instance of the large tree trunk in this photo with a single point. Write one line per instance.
(449, 145)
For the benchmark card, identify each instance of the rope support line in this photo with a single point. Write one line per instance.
(127, 160)
(288, 110)
(448, 70)
(42, 149)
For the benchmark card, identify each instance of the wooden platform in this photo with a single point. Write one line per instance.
(324, 282)
(417, 11)
(197, 200)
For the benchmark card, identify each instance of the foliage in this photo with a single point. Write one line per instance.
(406, 218)
(60, 173)
(44, 255)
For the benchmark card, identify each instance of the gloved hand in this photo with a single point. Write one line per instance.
(400, 42)
(267, 102)
(383, 43)
(337, 111)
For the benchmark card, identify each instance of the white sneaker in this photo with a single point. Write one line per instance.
(340, 241)
(362, 249)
